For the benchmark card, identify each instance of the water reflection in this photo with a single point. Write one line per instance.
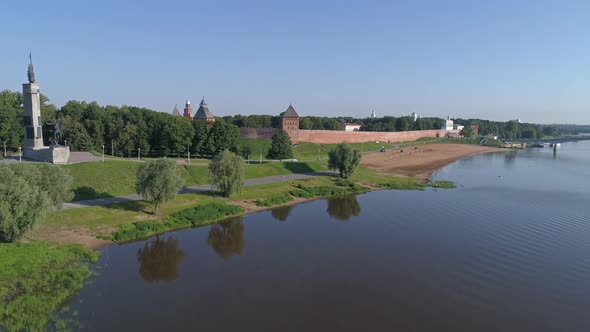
(227, 238)
(159, 259)
(343, 208)
(281, 213)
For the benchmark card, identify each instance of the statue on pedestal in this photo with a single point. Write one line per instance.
(31, 70)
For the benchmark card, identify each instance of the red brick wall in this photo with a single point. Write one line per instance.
(334, 136)
(338, 136)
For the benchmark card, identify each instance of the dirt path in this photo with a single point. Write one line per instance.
(421, 161)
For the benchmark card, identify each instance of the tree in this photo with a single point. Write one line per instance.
(22, 205)
(281, 146)
(200, 138)
(246, 152)
(52, 180)
(226, 172)
(223, 136)
(466, 132)
(158, 181)
(345, 159)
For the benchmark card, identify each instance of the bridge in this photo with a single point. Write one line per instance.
(552, 140)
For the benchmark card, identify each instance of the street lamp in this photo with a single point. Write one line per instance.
(260, 155)
(138, 154)
(103, 153)
(188, 153)
(66, 142)
(20, 155)
(5, 148)
(113, 147)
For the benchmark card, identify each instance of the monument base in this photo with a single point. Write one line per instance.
(55, 154)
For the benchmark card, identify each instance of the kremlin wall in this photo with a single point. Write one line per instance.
(290, 124)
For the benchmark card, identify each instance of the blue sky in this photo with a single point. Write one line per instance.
(498, 60)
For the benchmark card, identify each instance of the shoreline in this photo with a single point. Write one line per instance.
(250, 207)
(418, 162)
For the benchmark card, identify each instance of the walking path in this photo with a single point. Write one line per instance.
(191, 189)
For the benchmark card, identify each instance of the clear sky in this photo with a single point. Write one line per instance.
(498, 60)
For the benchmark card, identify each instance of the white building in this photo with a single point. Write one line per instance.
(448, 124)
(415, 116)
(373, 114)
(350, 126)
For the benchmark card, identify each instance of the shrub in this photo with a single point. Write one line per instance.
(202, 214)
(22, 205)
(274, 200)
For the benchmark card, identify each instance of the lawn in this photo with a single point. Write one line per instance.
(36, 278)
(116, 178)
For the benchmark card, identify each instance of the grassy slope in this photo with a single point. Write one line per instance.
(35, 279)
(115, 178)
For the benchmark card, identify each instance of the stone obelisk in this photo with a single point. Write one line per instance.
(32, 118)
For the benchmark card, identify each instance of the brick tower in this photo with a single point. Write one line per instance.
(291, 124)
(188, 110)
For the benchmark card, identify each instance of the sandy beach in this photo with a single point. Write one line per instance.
(421, 161)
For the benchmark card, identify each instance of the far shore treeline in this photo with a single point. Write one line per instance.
(125, 130)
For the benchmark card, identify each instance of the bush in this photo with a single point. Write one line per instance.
(202, 214)
(443, 184)
(138, 230)
(53, 180)
(22, 205)
(274, 201)
(403, 184)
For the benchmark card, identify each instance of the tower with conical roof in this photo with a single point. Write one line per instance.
(203, 113)
(175, 111)
(188, 110)
(291, 123)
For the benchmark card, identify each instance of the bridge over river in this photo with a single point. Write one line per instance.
(553, 140)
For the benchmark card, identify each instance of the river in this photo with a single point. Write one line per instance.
(507, 250)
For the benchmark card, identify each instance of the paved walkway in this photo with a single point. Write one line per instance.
(189, 190)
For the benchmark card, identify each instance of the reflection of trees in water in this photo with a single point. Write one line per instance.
(281, 213)
(159, 259)
(227, 238)
(342, 208)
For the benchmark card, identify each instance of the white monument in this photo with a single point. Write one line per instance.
(33, 147)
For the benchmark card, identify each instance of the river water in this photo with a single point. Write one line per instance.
(508, 250)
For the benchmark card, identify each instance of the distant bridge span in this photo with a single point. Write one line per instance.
(554, 140)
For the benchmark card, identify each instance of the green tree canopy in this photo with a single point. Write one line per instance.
(467, 132)
(226, 172)
(345, 159)
(281, 146)
(223, 136)
(158, 181)
(22, 205)
(52, 180)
